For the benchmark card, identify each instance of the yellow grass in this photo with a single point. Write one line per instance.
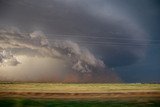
(78, 88)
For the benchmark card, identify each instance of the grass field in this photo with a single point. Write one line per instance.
(76, 95)
(74, 103)
(77, 88)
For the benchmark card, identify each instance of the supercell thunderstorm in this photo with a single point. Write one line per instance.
(46, 61)
(87, 38)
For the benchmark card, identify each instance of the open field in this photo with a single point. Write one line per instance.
(145, 95)
(75, 103)
(77, 88)
(48, 90)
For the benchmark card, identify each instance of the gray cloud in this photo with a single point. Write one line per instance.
(82, 20)
(89, 18)
(31, 57)
(37, 43)
(7, 58)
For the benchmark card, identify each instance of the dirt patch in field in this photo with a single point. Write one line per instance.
(117, 95)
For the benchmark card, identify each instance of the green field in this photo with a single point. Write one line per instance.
(79, 95)
(74, 103)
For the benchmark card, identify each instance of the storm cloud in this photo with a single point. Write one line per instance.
(87, 22)
(6, 58)
(17, 47)
(76, 36)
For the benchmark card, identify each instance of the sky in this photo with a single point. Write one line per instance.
(80, 40)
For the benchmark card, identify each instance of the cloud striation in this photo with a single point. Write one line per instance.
(65, 58)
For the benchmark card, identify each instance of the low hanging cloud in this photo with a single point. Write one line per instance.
(6, 58)
(19, 51)
(107, 19)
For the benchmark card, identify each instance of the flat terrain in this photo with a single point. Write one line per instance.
(79, 95)
(79, 91)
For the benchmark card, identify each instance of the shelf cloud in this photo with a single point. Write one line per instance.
(16, 47)
(78, 40)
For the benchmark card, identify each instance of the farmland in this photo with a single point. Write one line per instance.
(97, 94)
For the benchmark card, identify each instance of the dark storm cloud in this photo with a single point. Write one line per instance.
(37, 42)
(90, 18)
(19, 50)
(119, 32)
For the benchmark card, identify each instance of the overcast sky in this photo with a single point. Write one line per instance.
(120, 36)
